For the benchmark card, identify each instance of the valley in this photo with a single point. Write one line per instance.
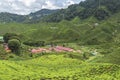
(81, 42)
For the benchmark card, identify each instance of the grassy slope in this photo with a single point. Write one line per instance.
(111, 52)
(57, 68)
(18, 28)
(67, 30)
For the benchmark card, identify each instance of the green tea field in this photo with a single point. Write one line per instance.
(57, 67)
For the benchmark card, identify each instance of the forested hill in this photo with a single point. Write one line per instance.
(38, 15)
(100, 9)
(42, 12)
(6, 17)
(9, 17)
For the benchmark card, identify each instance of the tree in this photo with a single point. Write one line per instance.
(101, 14)
(14, 45)
(15, 37)
(7, 36)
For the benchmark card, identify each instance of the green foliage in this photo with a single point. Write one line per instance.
(93, 41)
(101, 14)
(9, 17)
(86, 13)
(8, 36)
(57, 67)
(111, 54)
(65, 31)
(30, 18)
(3, 53)
(90, 24)
(34, 43)
(84, 10)
(14, 45)
(113, 5)
(100, 9)
(14, 37)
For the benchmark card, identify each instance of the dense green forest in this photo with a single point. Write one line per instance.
(100, 9)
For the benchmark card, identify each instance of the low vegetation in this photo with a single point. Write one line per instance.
(57, 67)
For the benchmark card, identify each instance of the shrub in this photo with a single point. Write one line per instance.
(14, 37)
(14, 45)
(93, 41)
(86, 55)
(34, 43)
(7, 36)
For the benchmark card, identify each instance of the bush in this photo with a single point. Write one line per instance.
(14, 37)
(14, 45)
(34, 43)
(7, 36)
(93, 41)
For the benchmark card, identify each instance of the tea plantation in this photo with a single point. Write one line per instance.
(57, 67)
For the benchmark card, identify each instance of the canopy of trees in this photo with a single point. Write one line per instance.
(14, 45)
(100, 9)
